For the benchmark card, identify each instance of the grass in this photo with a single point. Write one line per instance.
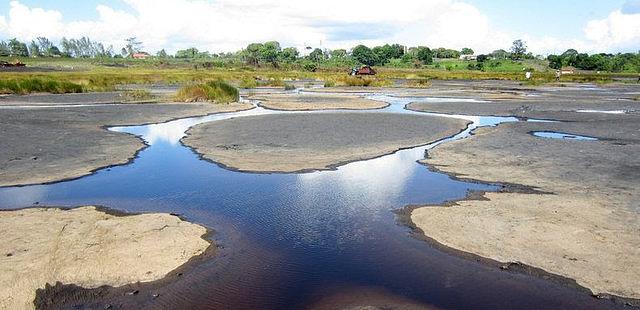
(73, 75)
(38, 85)
(259, 82)
(358, 81)
(213, 91)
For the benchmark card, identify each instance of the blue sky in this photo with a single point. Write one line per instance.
(561, 19)
(547, 25)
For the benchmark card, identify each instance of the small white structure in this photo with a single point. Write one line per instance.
(468, 57)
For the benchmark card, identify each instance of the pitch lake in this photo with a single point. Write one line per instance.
(288, 240)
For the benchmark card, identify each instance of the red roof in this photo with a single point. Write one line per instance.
(140, 55)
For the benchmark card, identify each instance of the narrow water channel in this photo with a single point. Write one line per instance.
(287, 239)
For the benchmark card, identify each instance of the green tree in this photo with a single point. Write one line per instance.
(387, 52)
(482, 58)
(518, 49)
(467, 51)
(424, 55)
(47, 48)
(316, 55)
(34, 49)
(500, 54)
(189, 53)
(269, 52)
(251, 54)
(133, 45)
(289, 54)
(363, 55)
(18, 48)
(162, 54)
(442, 52)
(555, 61)
(4, 49)
(66, 47)
(569, 57)
(339, 53)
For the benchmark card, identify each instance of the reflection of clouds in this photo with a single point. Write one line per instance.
(374, 179)
(170, 132)
(346, 202)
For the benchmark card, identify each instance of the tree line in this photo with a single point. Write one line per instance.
(599, 62)
(271, 53)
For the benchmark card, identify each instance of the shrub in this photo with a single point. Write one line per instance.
(329, 83)
(36, 85)
(310, 66)
(356, 81)
(248, 83)
(215, 91)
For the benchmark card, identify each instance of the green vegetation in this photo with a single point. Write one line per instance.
(83, 65)
(38, 85)
(357, 81)
(214, 91)
(628, 62)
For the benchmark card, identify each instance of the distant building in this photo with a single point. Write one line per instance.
(468, 57)
(141, 55)
(365, 70)
(568, 70)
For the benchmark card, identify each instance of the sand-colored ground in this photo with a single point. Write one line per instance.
(303, 142)
(588, 229)
(309, 101)
(50, 144)
(89, 248)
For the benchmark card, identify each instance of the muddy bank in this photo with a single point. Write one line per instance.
(304, 142)
(52, 144)
(89, 248)
(586, 229)
(308, 101)
(56, 99)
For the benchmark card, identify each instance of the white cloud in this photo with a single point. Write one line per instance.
(28, 23)
(228, 25)
(3, 25)
(617, 31)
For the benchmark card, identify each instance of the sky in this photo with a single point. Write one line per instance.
(548, 26)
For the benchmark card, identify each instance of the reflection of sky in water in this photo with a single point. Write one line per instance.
(324, 227)
(561, 135)
(603, 111)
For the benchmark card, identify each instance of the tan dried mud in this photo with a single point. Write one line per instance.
(89, 248)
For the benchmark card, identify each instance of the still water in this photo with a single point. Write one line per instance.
(287, 239)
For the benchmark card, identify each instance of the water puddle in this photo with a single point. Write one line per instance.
(283, 237)
(561, 135)
(603, 111)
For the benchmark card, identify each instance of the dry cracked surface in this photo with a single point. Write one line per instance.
(90, 248)
(304, 142)
(50, 144)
